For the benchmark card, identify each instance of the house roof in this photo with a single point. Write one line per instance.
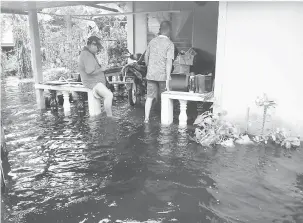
(22, 7)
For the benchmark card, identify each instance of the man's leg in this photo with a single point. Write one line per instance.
(103, 91)
(152, 90)
(161, 89)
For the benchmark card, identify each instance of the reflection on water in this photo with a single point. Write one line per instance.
(80, 169)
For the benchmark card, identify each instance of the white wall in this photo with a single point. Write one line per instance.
(260, 50)
(205, 27)
(140, 33)
(130, 27)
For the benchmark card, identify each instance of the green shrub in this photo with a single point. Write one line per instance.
(54, 74)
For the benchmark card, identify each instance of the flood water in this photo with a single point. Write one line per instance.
(77, 169)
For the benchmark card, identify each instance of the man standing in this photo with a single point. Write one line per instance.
(92, 75)
(159, 59)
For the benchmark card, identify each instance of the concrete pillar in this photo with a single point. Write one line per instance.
(140, 33)
(130, 28)
(66, 103)
(183, 114)
(36, 52)
(220, 55)
(68, 21)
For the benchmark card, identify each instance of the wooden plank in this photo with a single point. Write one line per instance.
(130, 13)
(101, 7)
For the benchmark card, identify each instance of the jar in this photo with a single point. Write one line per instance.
(192, 84)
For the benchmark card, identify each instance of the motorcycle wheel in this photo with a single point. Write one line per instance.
(132, 95)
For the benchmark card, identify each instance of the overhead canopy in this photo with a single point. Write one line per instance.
(22, 7)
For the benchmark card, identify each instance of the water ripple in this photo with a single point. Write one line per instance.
(80, 169)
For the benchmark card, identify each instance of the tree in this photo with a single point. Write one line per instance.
(56, 49)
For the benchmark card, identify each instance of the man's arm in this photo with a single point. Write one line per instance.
(88, 65)
(169, 60)
(97, 71)
(169, 64)
(146, 56)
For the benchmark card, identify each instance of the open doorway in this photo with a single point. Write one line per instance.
(195, 26)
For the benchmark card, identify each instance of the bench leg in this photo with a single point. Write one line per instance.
(166, 110)
(53, 101)
(94, 104)
(116, 92)
(80, 101)
(66, 103)
(183, 115)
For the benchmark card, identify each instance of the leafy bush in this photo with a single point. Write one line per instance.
(54, 74)
(279, 137)
(116, 54)
(212, 129)
(59, 49)
(9, 64)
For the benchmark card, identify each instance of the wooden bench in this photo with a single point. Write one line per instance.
(94, 104)
(167, 98)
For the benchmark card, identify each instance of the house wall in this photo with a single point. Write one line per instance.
(205, 27)
(140, 33)
(260, 50)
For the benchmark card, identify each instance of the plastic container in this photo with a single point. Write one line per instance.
(208, 83)
(192, 84)
(179, 82)
(203, 83)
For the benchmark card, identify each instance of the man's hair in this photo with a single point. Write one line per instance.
(93, 39)
(165, 27)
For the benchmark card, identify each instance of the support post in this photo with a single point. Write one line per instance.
(166, 110)
(66, 103)
(140, 33)
(183, 115)
(220, 54)
(36, 52)
(69, 39)
(130, 28)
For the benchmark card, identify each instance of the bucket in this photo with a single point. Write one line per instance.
(179, 82)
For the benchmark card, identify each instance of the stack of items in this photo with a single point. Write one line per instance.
(184, 61)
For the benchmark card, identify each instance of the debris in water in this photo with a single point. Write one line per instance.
(105, 220)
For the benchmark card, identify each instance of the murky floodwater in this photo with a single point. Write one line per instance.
(78, 169)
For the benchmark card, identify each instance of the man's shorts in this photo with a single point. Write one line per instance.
(155, 88)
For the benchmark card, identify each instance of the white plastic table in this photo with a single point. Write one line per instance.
(167, 98)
